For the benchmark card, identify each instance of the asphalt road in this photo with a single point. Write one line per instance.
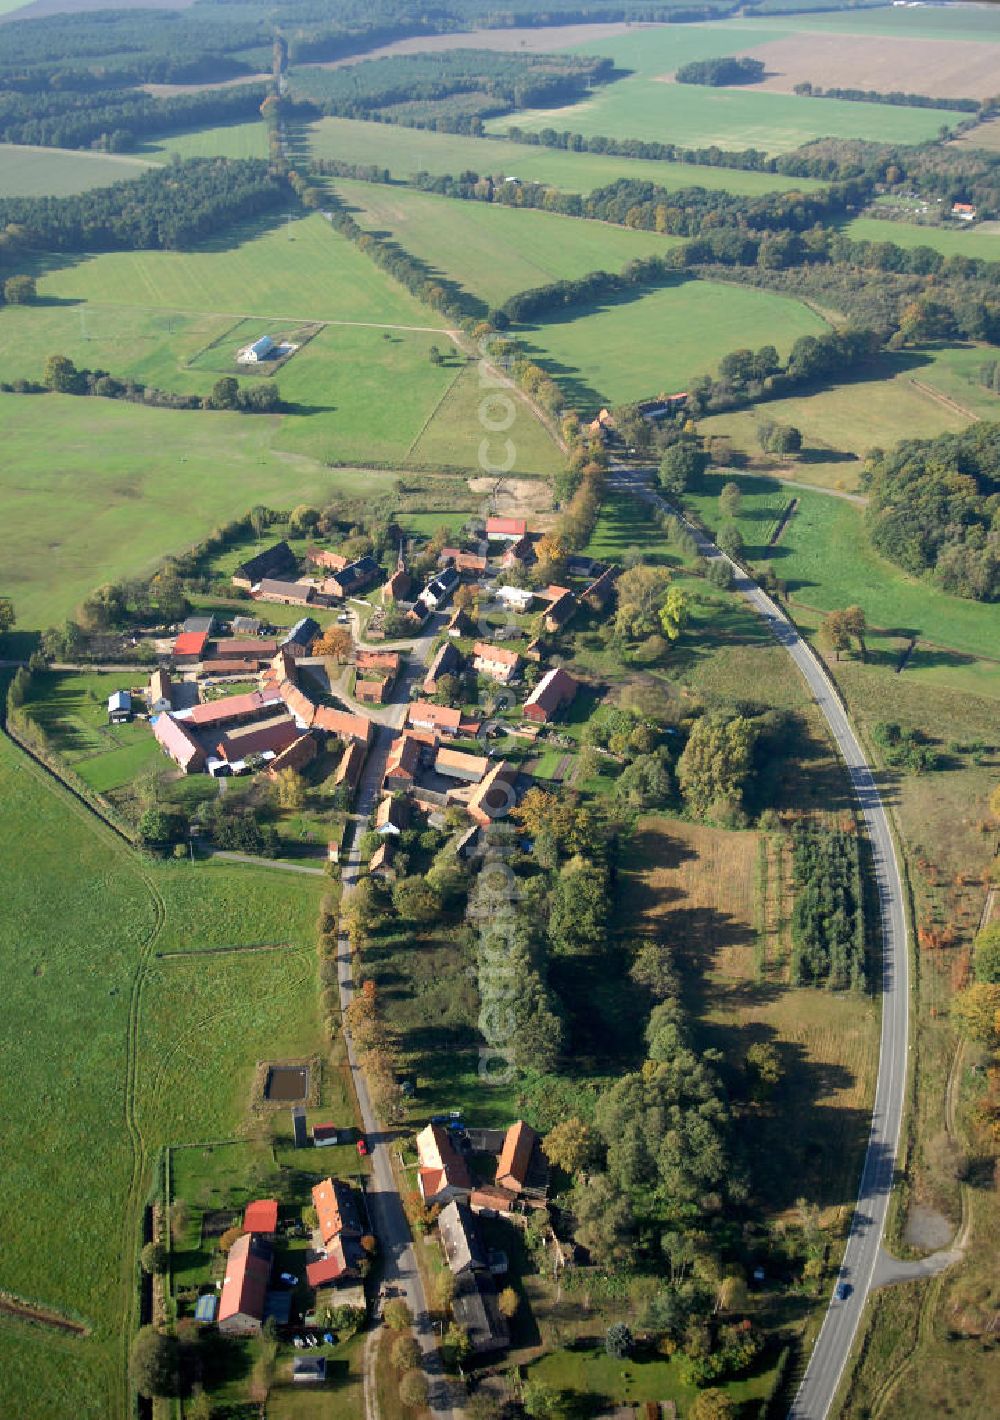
(833, 1346)
(384, 1203)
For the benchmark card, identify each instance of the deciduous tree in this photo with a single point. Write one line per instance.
(569, 1145)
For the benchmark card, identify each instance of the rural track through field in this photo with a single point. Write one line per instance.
(831, 1352)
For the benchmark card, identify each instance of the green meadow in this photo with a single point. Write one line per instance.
(162, 479)
(227, 140)
(406, 151)
(910, 395)
(58, 172)
(950, 241)
(634, 349)
(99, 1074)
(645, 105)
(299, 270)
(826, 560)
(491, 251)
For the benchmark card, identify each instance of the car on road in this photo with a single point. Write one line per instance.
(290, 1278)
(362, 1146)
(843, 1291)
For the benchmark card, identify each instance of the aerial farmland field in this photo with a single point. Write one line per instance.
(57, 172)
(405, 151)
(84, 1062)
(950, 241)
(227, 140)
(492, 251)
(658, 342)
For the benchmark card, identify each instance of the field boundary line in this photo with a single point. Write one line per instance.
(226, 951)
(238, 316)
(444, 395)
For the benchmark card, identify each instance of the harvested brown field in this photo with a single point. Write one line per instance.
(960, 69)
(529, 498)
(985, 136)
(697, 888)
(527, 40)
(169, 91)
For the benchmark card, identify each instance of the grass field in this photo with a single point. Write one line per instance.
(82, 1057)
(163, 480)
(57, 172)
(227, 140)
(896, 400)
(302, 270)
(494, 252)
(951, 241)
(405, 151)
(827, 562)
(634, 349)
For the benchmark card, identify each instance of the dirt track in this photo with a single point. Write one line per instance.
(24, 1311)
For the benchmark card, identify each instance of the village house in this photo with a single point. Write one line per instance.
(516, 598)
(505, 529)
(560, 612)
(336, 1210)
(302, 751)
(119, 707)
(403, 763)
(349, 769)
(441, 719)
(354, 578)
(276, 561)
(964, 211)
(555, 689)
(265, 737)
(269, 589)
(442, 1173)
(230, 710)
(189, 647)
(494, 797)
(344, 725)
(179, 743)
(461, 1239)
(519, 553)
(309, 1370)
(329, 561)
(252, 653)
(246, 626)
(261, 1217)
(496, 662)
(460, 623)
(470, 563)
(244, 1290)
(380, 863)
(159, 695)
(456, 764)
(198, 625)
(325, 1135)
(521, 1165)
(299, 640)
(438, 589)
(392, 816)
(476, 1310)
(447, 661)
(298, 703)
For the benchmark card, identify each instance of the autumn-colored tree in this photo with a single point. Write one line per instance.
(640, 594)
(987, 954)
(569, 1145)
(290, 790)
(508, 1302)
(857, 624)
(729, 500)
(976, 1012)
(230, 1236)
(835, 631)
(711, 1405)
(336, 641)
(397, 1315)
(405, 1353)
(716, 761)
(674, 613)
(444, 1290)
(465, 598)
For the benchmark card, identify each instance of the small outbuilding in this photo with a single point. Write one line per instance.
(119, 707)
(309, 1370)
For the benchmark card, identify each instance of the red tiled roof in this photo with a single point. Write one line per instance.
(494, 796)
(557, 687)
(344, 725)
(439, 717)
(177, 740)
(190, 643)
(328, 1269)
(506, 527)
(261, 1216)
(515, 1157)
(332, 1199)
(231, 707)
(403, 758)
(274, 735)
(248, 1271)
(500, 654)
